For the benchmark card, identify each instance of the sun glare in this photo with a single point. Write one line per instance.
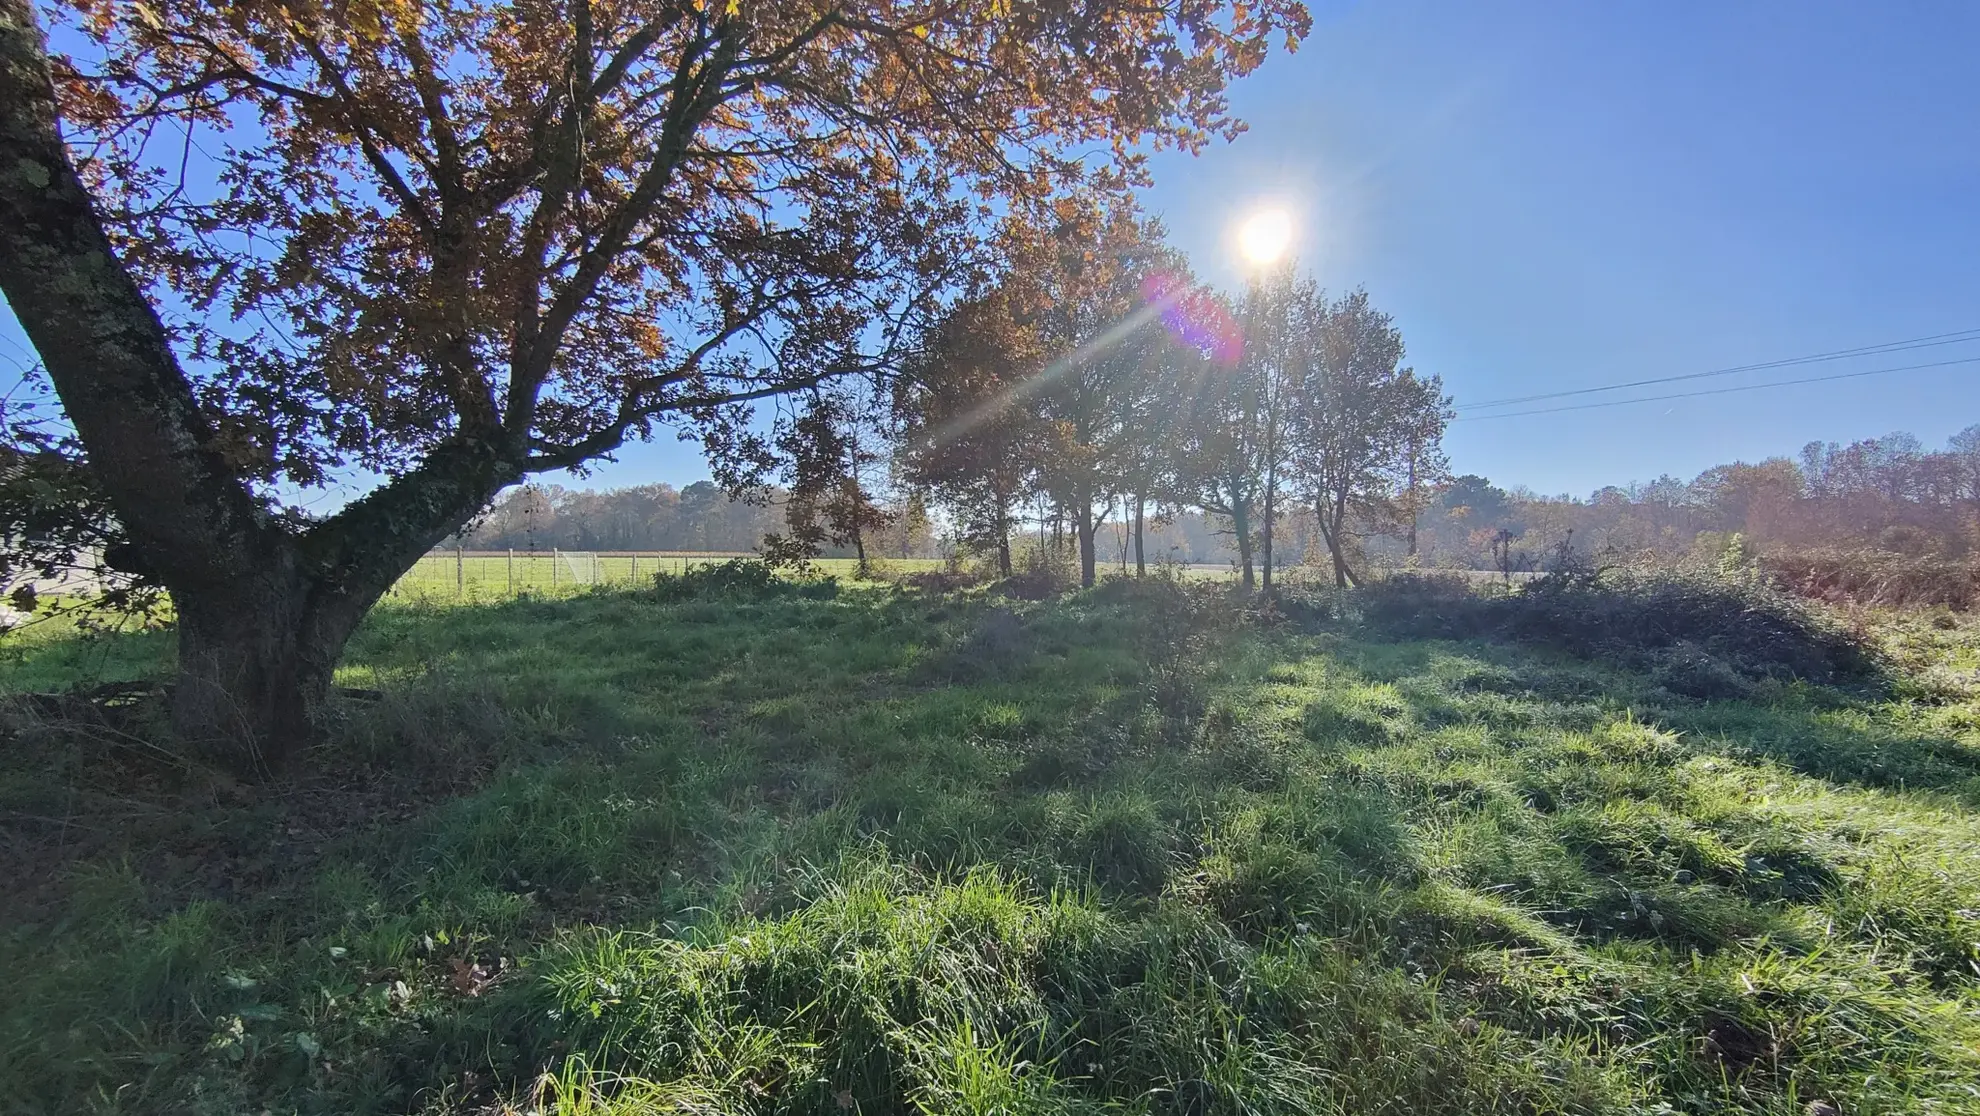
(1264, 236)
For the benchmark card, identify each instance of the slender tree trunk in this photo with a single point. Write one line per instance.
(1331, 530)
(1140, 554)
(1241, 527)
(1125, 531)
(1265, 535)
(1085, 526)
(1414, 507)
(1004, 526)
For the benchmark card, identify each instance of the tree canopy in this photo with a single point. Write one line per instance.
(449, 245)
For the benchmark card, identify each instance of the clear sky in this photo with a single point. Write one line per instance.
(1550, 196)
(1557, 195)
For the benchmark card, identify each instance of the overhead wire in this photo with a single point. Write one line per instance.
(1719, 391)
(1929, 341)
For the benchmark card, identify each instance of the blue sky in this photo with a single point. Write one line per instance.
(1554, 196)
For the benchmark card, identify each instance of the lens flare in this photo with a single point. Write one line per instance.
(1194, 318)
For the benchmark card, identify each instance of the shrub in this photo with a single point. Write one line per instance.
(1877, 577)
(1666, 621)
(952, 577)
(1041, 575)
(739, 579)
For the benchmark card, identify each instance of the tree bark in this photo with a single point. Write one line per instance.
(1140, 554)
(1265, 534)
(1085, 526)
(1004, 526)
(1415, 506)
(254, 674)
(1241, 527)
(1330, 533)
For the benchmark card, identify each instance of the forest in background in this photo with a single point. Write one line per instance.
(1886, 496)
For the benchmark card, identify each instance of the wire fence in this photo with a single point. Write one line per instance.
(501, 573)
(495, 574)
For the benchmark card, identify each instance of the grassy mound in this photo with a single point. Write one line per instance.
(898, 853)
(1703, 633)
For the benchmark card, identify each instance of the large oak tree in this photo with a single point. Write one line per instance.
(264, 243)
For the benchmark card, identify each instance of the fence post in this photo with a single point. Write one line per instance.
(512, 571)
(553, 567)
(635, 573)
(460, 572)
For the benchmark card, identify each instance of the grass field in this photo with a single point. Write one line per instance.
(888, 853)
(486, 576)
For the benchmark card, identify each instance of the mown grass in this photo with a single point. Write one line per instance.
(893, 853)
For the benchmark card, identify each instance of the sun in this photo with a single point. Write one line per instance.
(1265, 235)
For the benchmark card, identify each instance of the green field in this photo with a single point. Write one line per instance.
(483, 576)
(892, 853)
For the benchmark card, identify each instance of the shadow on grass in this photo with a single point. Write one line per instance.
(892, 852)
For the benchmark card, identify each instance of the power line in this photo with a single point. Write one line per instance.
(1927, 342)
(1719, 391)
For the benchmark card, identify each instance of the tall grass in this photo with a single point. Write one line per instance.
(898, 852)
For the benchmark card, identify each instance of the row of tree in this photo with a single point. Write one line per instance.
(700, 517)
(1085, 382)
(703, 517)
(1090, 381)
(1887, 493)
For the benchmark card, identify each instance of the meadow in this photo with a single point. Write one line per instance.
(488, 575)
(809, 848)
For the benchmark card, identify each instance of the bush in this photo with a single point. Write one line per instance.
(1668, 622)
(1877, 577)
(1041, 575)
(739, 579)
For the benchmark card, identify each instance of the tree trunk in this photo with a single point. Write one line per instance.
(1330, 532)
(1241, 527)
(1415, 508)
(1140, 555)
(254, 676)
(1004, 554)
(1265, 538)
(1085, 526)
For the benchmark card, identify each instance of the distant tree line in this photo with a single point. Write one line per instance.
(703, 517)
(1886, 494)
(700, 517)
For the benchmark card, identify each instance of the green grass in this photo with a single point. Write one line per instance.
(485, 577)
(887, 853)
